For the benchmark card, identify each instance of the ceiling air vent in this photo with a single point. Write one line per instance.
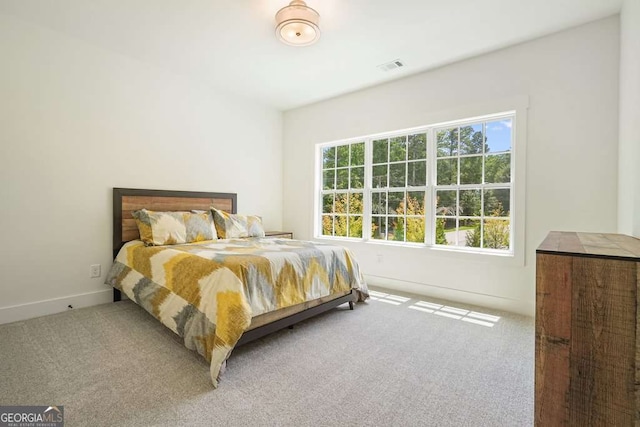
(391, 65)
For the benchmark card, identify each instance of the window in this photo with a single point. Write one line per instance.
(343, 190)
(473, 185)
(398, 188)
(445, 185)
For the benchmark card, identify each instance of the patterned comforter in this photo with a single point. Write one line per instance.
(208, 292)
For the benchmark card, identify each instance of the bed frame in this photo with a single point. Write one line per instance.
(127, 200)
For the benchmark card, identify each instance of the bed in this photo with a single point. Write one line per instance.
(219, 294)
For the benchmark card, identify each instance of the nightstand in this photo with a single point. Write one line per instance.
(279, 234)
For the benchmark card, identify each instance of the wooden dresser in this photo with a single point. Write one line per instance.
(587, 330)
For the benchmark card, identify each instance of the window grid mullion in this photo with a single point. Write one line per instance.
(492, 186)
(367, 222)
(348, 203)
(482, 214)
(482, 191)
(432, 165)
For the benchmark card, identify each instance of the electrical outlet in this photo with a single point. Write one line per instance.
(379, 257)
(95, 270)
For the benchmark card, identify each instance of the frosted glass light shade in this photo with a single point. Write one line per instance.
(297, 24)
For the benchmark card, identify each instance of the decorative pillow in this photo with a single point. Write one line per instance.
(230, 226)
(173, 228)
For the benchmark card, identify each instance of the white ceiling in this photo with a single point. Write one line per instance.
(230, 44)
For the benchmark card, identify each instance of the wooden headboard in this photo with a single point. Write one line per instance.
(127, 200)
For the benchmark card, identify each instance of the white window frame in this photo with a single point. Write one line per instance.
(482, 187)
(370, 189)
(516, 185)
(335, 191)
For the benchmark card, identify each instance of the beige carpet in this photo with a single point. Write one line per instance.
(392, 361)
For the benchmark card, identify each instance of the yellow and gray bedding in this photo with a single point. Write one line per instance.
(208, 292)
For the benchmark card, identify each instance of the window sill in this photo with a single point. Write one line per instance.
(510, 258)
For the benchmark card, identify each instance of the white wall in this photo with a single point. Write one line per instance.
(629, 154)
(76, 121)
(571, 80)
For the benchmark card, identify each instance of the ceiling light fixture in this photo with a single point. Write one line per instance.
(297, 24)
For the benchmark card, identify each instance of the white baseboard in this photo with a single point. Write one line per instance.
(490, 301)
(57, 305)
(30, 310)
